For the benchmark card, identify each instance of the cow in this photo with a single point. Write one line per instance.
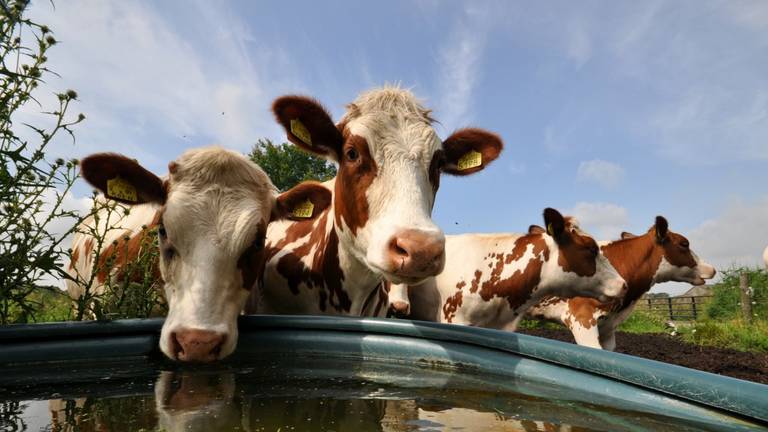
(379, 226)
(211, 215)
(765, 257)
(659, 255)
(490, 280)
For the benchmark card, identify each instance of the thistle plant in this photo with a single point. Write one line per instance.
(32, 187)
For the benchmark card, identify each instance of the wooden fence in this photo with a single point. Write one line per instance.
(688, 308)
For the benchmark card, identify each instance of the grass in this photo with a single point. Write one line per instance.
(644, 322)
(734, 334)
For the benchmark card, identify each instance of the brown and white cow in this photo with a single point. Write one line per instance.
(659, 255)
(379, 226)
(211, 215)
(490, 280)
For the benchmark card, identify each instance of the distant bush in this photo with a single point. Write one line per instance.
(726, 301)
(734, 334)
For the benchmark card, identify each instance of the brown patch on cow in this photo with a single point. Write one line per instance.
(352, 182)
(677, 251)
(518, 288)
(636, 259)
(74, 258)
(476, 281)
(125, 250)
(88, 247)
(583, 310)
(438, 159)
(576, 253)
(323, 273)
(461, 285)
(452, 304)
(250, 262)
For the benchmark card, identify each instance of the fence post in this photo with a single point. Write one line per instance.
(669, 306)
(746, 299)
(693, 307)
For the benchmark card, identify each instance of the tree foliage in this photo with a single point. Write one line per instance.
(32, 187)
(288, 165)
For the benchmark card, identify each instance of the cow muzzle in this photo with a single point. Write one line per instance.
(195, 345)
(413, 255)
(613, 288)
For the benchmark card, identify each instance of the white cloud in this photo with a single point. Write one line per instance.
(458, 66)
(141, 78)
(604, 221)
(603, 173)
(736, 237)
(579, 44)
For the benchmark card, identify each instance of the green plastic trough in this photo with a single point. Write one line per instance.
(32, 358)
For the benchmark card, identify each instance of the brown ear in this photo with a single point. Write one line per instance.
(535, 229)
(662, 229)
(304, 201)
(555, 223)
(625, 235)
(308, 125)
(122, 179)
(468, 151)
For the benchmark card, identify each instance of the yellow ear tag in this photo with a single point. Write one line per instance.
(121, 189)
(300, 131)
(304, 210)
(470, 160)
(550, 230)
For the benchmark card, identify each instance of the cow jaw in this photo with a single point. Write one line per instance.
(696, 275)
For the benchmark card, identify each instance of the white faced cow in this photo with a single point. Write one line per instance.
(490, 280)
(657, 256)
(379, 225)
(211, 214)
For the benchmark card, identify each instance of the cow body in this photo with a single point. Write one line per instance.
(490, 280)
(379, 225)
(657, 256)
(210, 214)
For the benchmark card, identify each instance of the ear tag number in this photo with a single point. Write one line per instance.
(471, 159)
(304, 210)
(300, 131)
(120, 188)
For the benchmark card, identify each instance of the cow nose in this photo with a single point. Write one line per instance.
(416, 253)
(616, 287)
(195, 345)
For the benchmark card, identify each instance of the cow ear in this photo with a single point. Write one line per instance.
(304, 201)
(468, 151)
(662, 229)
(308, 125)
(535, 229)
(555, 223)
(626, 235)
(122, 179)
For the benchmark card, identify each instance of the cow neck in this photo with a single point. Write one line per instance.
(637, 260)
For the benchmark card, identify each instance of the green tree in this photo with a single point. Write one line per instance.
(288, 165)
(32, 187)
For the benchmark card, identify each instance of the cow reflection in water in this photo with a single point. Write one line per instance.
(195, 402)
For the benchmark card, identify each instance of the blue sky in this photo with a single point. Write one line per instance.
(612, 111)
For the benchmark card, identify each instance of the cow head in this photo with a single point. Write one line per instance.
(580, 269)
(212, 215)
(678, 262)
(390, 160)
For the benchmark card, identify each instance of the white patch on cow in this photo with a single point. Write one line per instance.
(765, 257)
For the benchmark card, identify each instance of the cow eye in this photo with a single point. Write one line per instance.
(258, 244)
(352, 154)
(594, 251)
(161, 231)
(684, 244)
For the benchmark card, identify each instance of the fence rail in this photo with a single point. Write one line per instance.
(688, 308)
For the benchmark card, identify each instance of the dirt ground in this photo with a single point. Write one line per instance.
(737, 364)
